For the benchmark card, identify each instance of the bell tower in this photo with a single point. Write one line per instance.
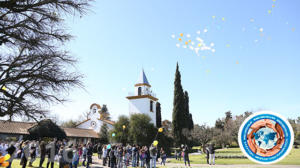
(143, 100)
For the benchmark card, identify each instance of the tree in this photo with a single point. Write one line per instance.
(178, 117)
(202, 134)
(104, 114)
(86, 115)
(219, 124)
(34, 66)
(103, 135)
(228, 117)
(158, 115)
(121, 134)
(69, 124)
(46, 128)
(167, 126)
(141, 130)
(187, 115)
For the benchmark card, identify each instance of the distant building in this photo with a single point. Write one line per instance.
(87, 130)
(143, 100)
(15, 130)
(96, 121)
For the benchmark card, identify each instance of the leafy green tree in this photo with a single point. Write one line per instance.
(219, 124)
(104, 113)
(141, 130)
(178, 116)
(121, 133)
(103, 135)
(228, 116)
(187, 115)
(158, 115)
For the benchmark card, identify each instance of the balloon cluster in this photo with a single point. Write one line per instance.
(3, 160)
(155, 142)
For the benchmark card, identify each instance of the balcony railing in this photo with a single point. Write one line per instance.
(143, 93)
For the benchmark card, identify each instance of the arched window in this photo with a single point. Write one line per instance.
(151, 105)
(140, 91)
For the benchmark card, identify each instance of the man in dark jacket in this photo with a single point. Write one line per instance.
(89, 155)
(43, 153)
(207, 153)
(112, 156)
(212, 154)
(99, 150)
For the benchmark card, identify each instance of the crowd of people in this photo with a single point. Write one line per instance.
(64, 152)
(119, 156)
(113, 156)
(67, 153)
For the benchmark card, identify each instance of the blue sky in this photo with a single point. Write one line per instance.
(119, 38)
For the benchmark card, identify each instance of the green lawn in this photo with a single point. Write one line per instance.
(16, 163)
(292, 159)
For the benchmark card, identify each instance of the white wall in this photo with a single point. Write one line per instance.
(87, 125)
(142, 105)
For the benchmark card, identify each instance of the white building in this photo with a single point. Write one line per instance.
(95, 122)
(143, 100)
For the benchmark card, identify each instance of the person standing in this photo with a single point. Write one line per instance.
(11, 150)
(104, 155)
(112, 157)
(32, 153)
(99, 151)
(61, 160)
(176, 153)
(84, 154)
(42, 153)
(134, 152)
(153, 155)
(207, 154)
(89, 154)
(25, 151)
(163, 157)
(51, 153)
(148, 157)
(186, 156)
(212, 154)
(75, 159)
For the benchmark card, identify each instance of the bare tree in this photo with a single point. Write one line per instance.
(34, 67)
(86, 115)
(202, 134)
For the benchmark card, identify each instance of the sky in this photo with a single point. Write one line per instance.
(251, 61)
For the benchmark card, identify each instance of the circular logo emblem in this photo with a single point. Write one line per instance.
(266, 137)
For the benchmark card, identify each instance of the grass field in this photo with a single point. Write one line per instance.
(292, 159)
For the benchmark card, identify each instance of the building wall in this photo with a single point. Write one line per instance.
(87, 125)
(142, 106)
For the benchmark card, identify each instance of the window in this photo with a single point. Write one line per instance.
(151, 105)
(139, 91)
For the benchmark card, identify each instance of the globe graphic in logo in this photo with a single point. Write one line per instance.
(266, 137)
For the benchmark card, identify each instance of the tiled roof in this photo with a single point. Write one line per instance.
(82, 133)
(15, 127)
(106, 121)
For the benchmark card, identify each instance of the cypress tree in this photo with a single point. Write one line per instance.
(178, 117)
(187, 116)
(158, 115)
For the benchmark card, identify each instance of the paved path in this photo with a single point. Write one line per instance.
(98, 164)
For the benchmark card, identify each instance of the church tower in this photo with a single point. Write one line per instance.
(143, 100)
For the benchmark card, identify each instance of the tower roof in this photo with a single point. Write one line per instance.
(143, 79)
